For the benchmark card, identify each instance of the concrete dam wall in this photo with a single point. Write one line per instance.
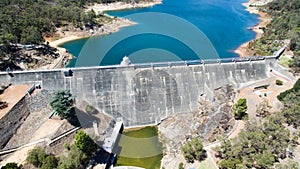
(13, 120)
(146, 94)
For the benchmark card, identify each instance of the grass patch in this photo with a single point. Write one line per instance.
(284, 61)
(89, 109)
(207, 164)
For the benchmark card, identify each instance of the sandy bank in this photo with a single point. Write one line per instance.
(58, 42)
(57, 63)
(115, 25)
(252, 7)
(100, 8)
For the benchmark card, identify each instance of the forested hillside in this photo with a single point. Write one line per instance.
(284, 26)
(26, 21)
(266, 142)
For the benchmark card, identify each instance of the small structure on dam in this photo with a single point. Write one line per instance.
(147, 93)
(111, 142)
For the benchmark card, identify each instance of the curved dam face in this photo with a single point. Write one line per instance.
(145, 95)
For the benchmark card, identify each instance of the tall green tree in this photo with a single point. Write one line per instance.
(62, 103)
(31, 35)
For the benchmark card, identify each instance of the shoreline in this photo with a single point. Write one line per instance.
(117, 23)
(113, 26)
(58, 42)
(115, 6)
(57, 63)
(264, 20)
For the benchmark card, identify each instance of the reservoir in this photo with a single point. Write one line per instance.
(172, 31)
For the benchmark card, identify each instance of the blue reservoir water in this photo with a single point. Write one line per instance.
(204, 29)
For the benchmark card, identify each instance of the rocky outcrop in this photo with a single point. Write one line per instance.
(219, 118)
(213, 119)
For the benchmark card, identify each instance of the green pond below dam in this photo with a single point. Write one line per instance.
(141, 148)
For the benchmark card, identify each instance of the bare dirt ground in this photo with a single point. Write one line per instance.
(57, 148)
(240, 126)
(37, 128)
(12, 95)
(254, 97)
(44, 131)
(97, 124)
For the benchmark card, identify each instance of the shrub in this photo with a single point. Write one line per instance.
(193, 150)
(266, 86)
(296, 88)
(67, 146)
(180, 166)
(75, 159)
(89, 109)
(50, 162)
(240, 109)
(84, 143)
(279, 82)
(263, 108)
(11, 166)
(229, 163)
(36, 156)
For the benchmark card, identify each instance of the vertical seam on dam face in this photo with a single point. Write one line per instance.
(142, 96)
